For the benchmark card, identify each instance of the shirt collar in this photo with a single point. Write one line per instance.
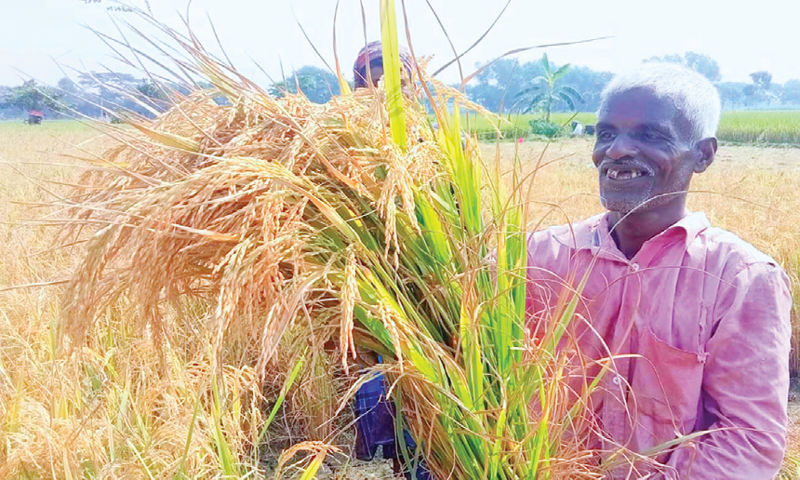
(692, 225)
(594, 233)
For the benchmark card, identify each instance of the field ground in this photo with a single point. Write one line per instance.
(753, 191)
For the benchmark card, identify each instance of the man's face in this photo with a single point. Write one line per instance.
(376, 73)
(643, 151)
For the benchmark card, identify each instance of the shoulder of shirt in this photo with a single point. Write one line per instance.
(738, 254)
(567, 235)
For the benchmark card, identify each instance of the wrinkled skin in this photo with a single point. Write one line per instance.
(645, 157)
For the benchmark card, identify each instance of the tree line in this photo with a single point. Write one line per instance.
(507, 85)
(504, 84)
(93, 94)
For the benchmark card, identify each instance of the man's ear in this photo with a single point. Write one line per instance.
(707, 149)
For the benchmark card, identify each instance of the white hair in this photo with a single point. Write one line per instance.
(690, 92)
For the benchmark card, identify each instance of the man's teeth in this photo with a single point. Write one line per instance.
(615, 174)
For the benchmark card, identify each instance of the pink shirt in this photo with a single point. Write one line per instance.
(705, 315)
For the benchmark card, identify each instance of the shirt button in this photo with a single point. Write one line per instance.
(635, 267)
(616, 380)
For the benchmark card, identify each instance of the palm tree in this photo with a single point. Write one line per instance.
(542, 92)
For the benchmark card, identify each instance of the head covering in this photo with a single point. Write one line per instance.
(372, 54)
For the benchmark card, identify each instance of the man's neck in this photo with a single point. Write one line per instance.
(632, 230)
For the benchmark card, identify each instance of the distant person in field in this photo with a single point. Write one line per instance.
(368, 66)
(35, 117)
(697, 318)
(374, 411)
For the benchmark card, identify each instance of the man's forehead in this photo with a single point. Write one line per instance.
(640, 107)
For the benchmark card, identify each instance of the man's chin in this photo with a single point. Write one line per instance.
(624, 206)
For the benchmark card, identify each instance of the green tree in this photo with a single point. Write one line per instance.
(704, 65)
(317, 84)
(96, 93)
(760, 90)
(762, 79)
(544, 92)
(5, 94)
(66, 85)
(107, 85)
(153, 94)
(589, 83)
(731, 94)
(498, 85)
(101, 92)
(32, 96)
(791, 92)
(751, 94)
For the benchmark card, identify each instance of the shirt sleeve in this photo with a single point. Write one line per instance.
(745, 382)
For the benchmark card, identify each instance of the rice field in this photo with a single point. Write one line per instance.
(757, 127)
(98, 402)
(517, 125)
(775, 127)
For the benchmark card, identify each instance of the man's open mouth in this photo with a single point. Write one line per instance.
(626, 172)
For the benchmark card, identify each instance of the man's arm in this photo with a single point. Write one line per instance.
(745, 382)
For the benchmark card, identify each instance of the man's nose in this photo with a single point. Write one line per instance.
(623, 146)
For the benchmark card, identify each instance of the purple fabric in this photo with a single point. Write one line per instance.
(375, 427)
(375, 419)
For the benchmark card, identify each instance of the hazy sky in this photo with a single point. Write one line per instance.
(742, 36)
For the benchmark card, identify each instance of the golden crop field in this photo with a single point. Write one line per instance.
(59, 407)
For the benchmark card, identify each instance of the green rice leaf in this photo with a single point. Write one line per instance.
(298, 367)
(392, 73)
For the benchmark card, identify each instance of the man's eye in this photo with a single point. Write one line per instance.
(605, 136)
(650, 135)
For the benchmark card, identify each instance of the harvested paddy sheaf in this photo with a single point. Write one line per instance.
(234, 253)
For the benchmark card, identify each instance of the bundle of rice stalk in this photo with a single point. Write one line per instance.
(354, 224)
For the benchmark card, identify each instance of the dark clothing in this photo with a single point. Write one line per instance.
(375, 421)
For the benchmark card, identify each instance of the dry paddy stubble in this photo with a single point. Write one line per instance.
(56, 409)
(34, 384)
(117, 407)
(97, 411)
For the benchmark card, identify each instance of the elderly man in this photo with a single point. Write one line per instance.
(691, 322)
